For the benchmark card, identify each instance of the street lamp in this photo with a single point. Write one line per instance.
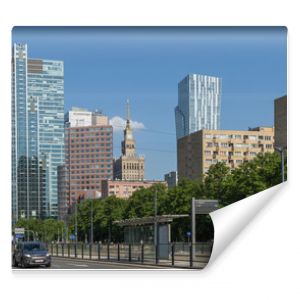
(281, 151)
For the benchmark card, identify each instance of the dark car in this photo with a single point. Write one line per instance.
(28, 254)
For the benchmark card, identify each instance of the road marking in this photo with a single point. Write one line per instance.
(76, 265)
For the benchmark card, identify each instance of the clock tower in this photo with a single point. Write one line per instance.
(129, 166)
(128, 144)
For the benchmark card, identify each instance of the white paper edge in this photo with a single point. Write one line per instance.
(232, 219)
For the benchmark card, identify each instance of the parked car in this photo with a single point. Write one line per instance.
(28, 254)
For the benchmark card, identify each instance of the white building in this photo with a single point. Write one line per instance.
(81, 117)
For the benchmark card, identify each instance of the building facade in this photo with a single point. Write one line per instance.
(81, 117)
(199, 104)
(280, 121)
(89, 156)
(37, 134)
(125, 189)
(129, 166)
(171, 179)
(199, 150)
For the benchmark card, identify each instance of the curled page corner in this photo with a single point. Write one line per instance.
(231, 220)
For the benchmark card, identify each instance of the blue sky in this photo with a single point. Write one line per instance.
(106, 65)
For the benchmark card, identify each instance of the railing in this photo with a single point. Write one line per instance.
(185, 255)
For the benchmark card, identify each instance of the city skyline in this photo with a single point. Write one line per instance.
(37, 133)
(112, 71)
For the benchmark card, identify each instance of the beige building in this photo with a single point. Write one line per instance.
(129, 166)
(124, 189)
(199, 150)
(280, 121)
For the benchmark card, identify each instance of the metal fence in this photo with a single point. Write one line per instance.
(185, 255)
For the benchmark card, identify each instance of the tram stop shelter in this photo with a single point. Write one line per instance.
(142, 230)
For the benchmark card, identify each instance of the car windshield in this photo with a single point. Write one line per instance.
(34, 246)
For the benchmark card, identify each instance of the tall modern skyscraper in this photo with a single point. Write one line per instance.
(199, 104)
(37, 134)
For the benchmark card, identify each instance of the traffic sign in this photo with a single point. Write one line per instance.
(188, 233)
(19, 236)
(20, 230)
(72, 237)
(203, 207)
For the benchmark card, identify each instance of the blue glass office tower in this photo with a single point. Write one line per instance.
(199, 104)
(37, 134)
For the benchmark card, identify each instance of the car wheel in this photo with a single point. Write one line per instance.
(23, 264)
(48, 265)
(14, 262)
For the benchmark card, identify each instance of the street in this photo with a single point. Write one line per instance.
(71, 263)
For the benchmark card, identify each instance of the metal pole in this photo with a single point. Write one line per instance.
(92, 224)
(173, 252)
(76, 239)
(142, 253)
(129, 252)
(282, 163)
(108, 253)
(109, 230)
(99, 256)
(155, 216)
(193, 227)
(191, 255)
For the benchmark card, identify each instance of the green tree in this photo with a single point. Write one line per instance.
(218, 181)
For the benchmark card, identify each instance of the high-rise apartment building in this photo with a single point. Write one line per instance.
(199, 150)
(199, 104)
(129, 166)
(89, 157)
(171, 179)
(37, 134)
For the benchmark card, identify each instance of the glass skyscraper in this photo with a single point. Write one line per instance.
(37, 134)
(199, 104)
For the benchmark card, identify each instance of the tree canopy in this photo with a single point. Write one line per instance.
(221, 183)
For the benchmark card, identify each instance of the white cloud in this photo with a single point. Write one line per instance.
(119, 124)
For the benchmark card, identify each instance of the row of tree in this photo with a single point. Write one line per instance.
(45, 230)
(228, 186)
(220, 183)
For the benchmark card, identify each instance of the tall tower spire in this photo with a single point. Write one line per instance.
(128, 109)
(129, 166)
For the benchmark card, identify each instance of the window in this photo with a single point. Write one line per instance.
(252, 137)
(223, 136)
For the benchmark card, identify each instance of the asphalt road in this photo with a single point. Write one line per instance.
(70, 263)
